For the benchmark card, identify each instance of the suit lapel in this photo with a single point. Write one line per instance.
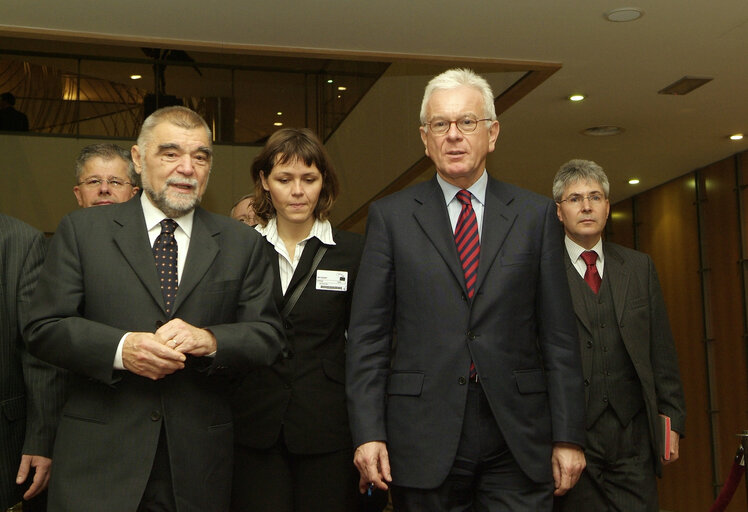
(131, 238)
(201, 253)
(618, 278)
(433, 218)
(498, 218)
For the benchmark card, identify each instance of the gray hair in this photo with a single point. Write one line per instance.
(177, 115)
(106, 151)
(577, 170)
(458, 77)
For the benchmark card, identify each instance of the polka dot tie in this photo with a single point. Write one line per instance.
(165, 252)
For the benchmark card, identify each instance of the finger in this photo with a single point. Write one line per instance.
(36, 486)
(23, 469)
(384, 464)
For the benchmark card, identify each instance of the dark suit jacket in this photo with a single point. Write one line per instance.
(645, 330)
(31, 392)
(519, 331)
(100, 282)
(305, 393)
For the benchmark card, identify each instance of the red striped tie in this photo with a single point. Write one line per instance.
(591, 276)
(468, 242)
(468, 249)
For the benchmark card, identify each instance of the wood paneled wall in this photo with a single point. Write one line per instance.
(695, 229)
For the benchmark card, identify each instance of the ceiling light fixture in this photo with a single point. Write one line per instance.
(279, 113)
(136, 77)
(576, 97)
(277, 123)
(603, 131)
(342, 88)
(624, 14)
(736, 136)
(634, 181)
(329, 80)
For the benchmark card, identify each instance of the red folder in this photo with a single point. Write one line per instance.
(663, 437)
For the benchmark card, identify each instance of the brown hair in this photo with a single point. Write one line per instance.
(289, 145)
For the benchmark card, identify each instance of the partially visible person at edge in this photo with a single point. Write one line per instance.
(243, 210)
(478, 402)
(31, 391)
(104, 174)
(293, 443)
(630, 366)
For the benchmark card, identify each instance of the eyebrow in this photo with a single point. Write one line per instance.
(173, 145)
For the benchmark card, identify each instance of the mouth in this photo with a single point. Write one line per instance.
(182, 188)
(99, 203)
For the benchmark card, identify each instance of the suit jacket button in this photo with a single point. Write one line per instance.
(156, 415)
(589, 344)
(461, 381)
(586, 382)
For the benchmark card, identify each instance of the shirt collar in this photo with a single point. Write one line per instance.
(154, 216)
(477, 189)
(575, 250)
(322, 229)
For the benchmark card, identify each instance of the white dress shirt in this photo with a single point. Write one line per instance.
(454, 206)
(575, 254)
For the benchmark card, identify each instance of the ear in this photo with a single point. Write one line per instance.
(424, 139)
(558, 213)
(264, 181)
(135, 191)
(77, 192)
(136, 159)
(493, 134)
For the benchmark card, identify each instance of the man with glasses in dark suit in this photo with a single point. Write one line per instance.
(104, 174)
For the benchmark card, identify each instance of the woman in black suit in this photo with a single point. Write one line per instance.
(293, 444)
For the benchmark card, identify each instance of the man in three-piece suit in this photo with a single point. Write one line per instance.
(464, 384)
(152, 305)
(628, 357)
(30, 390)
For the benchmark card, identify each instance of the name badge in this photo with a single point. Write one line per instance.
(333, 280)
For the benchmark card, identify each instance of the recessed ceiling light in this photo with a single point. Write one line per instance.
(342, 88)
(603, 131)
(737, 136)
(576, 97)
(277, 123)
(634, 181)
(136, 77)
(624, 14)
(279, 113)
(329, 81)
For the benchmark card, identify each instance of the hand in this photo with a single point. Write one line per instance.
(373, 463)
(568, 463)
(41, 476)
(186, 338)
(146, 354)
(674, 448)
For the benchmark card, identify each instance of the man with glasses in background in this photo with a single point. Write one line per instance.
(477, 403)
(104, 174)
(631, 376)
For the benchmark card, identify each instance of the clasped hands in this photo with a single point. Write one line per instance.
(156, 355)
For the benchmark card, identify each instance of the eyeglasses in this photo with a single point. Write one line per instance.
(578, 199)
(466, 124)
(96, 182)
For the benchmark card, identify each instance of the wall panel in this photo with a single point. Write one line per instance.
(721, 248)
(667, 230)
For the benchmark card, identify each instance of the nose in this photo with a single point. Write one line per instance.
(453, 132)
(104, 187)
(296, 188)
(185, 165)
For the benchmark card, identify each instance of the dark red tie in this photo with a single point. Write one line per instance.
(468, 241)
(468, 249)
(591, 276)
(165, 252)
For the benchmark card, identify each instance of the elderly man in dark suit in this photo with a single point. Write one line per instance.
(628, 356)
(152, 305)
(477, 403)
(30, 390)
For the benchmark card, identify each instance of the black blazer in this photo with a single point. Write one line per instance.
(304, 393)
(645, 330)
(519, 330)
(99, 282)
(31, 392)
